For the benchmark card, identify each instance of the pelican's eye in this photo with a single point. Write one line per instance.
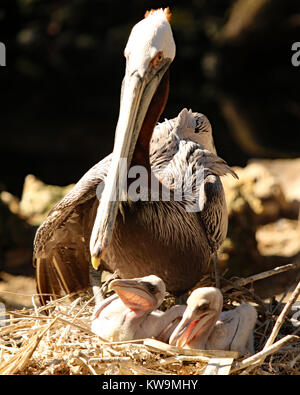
(157, 59)
(151, 288)
(203, 307)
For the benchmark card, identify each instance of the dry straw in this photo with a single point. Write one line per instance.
(61, 343)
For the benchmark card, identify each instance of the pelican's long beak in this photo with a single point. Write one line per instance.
(134, 294)
(136, 95)
(189, 327)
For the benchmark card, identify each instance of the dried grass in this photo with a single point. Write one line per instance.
(61, 343)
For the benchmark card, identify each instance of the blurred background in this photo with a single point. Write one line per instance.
(60, 100)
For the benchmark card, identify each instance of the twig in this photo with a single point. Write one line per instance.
(262, 354)
(260, 276)
(279, 322)
(293, 362)
(142, 370)
(283, 315)
(82, 328)
(137, 341)
(183, 358)
(159, 346)
(287, 291)
(42, 317)
(20, 360)
(88, 366)
(218, 366)
(110, 359)
(246, 290)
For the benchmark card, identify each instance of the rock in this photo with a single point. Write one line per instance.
(12, 202)
(280, 238)
(287, 172)
(19, 219)
(38, 199)
(257, 190)
(263, 211)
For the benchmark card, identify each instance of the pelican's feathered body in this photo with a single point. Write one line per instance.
(158, 237)
(162, 237)
(172, 238)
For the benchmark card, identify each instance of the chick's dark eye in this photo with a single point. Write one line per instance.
(151, 288)
(203, 307)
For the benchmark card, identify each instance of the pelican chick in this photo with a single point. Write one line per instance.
(205, 326)
(131, 313)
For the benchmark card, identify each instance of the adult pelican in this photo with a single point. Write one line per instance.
(171, 238)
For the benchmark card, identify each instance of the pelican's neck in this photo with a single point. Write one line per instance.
(141, 153)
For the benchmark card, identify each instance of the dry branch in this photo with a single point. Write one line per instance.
(283, 315)
(168, 349)
(260, 276)
(263, 354)
(280, 320)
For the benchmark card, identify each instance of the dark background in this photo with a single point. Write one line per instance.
(60, 88)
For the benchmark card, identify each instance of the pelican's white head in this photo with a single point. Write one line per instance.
(150, 41)
(149, 52)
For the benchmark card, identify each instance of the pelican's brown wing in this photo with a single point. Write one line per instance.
(61, 245)
(202, 188)
(213, 209)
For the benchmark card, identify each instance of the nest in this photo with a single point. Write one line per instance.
(61, 342)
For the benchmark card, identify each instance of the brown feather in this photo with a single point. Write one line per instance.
(150, 238)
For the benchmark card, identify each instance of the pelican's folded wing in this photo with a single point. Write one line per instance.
(61, 244)
(212, 204)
